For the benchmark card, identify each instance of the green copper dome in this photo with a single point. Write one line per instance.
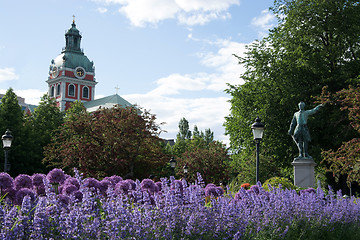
(72, 55)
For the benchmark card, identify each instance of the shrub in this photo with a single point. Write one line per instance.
(276, 181)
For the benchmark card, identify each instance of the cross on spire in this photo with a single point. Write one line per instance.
(117, 89)
(73, 18)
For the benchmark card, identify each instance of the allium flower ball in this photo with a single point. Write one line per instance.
(40, 190)
(309, 190)
(73, 181)
(114, 179)
(68, 189)
(132, 184)
(147, 185)
(77, 195)
(64, 199)
(91, 183)
(23, 181)
(210, 185)
(38, 179)
(6, 181)
(56, 176)
(104, 185)
(122, 187)
(21, 193)
(211, 191)
(159, 186)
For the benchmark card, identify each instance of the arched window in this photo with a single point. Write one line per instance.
(85, 92)
(72, 90)
(52, 91)
(58, 90)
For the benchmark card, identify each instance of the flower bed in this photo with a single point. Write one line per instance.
(57, 206)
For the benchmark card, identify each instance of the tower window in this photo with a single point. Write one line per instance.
(85, 92)
(72, 90)
(58, 90)
(52, 91)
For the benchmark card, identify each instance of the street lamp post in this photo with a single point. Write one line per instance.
(7, 139)
(172, 165)
(258, 130)
(185, 169)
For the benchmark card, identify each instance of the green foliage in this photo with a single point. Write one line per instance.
(275, 181)
(12, 118)
(345, 160)
(184, 132)
(45, 120)
(315, 44)
(211, 162)
(201, 154)
(116, 141)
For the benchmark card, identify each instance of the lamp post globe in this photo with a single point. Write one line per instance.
(172, 165)
(7, 140)
(258, 131)
(185, 169)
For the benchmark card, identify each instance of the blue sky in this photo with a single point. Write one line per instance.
(172, 57)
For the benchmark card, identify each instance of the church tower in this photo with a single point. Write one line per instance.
(71, 74)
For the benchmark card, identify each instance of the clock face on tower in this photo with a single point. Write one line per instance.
(80, 72)
(54, 72)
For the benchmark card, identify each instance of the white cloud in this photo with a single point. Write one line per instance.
(32, 96)
(148, 11)
(8, 74)
(264, 22)
(203, 112)
(189, 12)
(167, 100)
(101, 10)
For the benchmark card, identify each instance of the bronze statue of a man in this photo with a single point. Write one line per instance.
(299, 130)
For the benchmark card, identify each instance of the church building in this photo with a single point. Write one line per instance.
(72, 76)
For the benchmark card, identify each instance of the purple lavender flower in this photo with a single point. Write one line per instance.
(255, 189)
(177, 186)
(148, 185)
(21, 193)
(23, 181)
(132, 184)
(38, 179)
(56, 176)
(6, 181)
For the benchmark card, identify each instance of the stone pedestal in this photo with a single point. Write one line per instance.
(304, 174)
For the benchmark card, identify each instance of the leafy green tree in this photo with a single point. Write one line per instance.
(108, 141)
(344, 161)
(201, 154)
(45, 120)
(314, 44)
(211, 162)
(12, 118)
(184, 132)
